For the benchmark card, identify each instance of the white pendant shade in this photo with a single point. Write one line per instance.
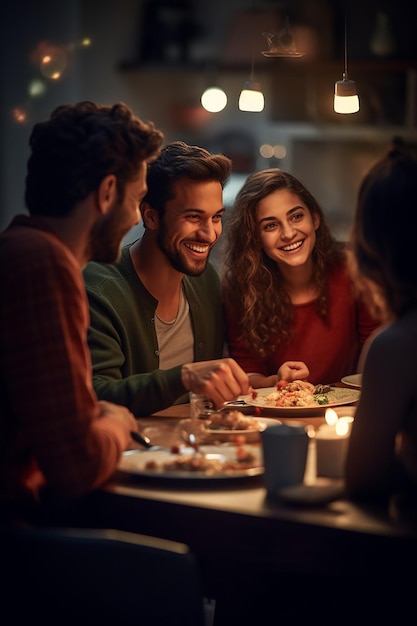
(346, 104)
(251, 98)
(346, 98)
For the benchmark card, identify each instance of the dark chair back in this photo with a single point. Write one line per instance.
(97, 577)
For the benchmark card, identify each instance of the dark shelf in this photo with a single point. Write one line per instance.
(144, 66)
(285, 64)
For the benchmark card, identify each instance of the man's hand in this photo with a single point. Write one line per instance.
(221, 380)
(120, 414)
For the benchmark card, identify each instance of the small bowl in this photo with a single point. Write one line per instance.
(206, 435)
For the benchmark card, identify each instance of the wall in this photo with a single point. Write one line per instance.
(91, 72)
(327, 153)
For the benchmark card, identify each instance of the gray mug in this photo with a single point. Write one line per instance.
(285, 449)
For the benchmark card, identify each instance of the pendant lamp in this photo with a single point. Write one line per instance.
(214, 99)
(251, 97)
(346, 99)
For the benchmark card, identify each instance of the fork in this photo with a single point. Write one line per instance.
(145, 441)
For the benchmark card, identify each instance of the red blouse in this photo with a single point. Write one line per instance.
(330, 348)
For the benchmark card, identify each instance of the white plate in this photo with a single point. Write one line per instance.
(354, 380)
(338, 396)
(133, 462)
(218, 435)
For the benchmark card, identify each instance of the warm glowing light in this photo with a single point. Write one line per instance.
(86, 42)
(331, 416)
(347, 418)
(53, 63)
(19, 115)
(266, 151)
(36, 88)
(342, 427)
(280, 152)
(251, 98)
(346, 104)
(346, 99)
(214, 99)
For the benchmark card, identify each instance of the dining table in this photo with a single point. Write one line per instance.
(245, 538)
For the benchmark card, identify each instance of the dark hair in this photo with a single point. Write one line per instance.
(179, 160)
(385, 225)
(80, 145)
(251, 280)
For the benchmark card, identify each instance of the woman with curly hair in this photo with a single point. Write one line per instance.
(288, 295)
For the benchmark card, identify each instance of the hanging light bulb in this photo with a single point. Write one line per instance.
(214, 99)
(251, 97)
(346, 99)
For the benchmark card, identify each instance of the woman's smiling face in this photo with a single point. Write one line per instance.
(287, 228)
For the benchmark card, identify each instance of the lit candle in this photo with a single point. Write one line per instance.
(344, 425)
(332, 441)
(331, 416)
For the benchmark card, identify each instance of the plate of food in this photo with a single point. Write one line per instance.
(207, 462)
(301, 398)
(354, 380)
(227, 426)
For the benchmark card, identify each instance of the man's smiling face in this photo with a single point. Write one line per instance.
(191, 225)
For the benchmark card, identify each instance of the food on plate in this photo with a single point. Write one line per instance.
(319, 389)
(232, 420)
(296, 393)
(208, 463)
(231, 427)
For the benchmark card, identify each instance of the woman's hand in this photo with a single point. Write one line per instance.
(292, 370)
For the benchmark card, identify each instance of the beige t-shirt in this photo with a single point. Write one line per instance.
(175, 339)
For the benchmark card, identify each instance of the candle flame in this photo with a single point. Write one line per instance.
(347, 418)
(342, 427)
(331, 416)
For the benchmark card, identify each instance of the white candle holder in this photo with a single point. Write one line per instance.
(332, 443)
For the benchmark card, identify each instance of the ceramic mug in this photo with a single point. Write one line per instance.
(285, 449)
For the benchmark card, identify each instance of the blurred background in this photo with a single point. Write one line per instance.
(159, 57)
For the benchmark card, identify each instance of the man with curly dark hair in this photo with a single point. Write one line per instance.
(86, 176)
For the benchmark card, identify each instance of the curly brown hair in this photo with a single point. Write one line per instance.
(80, 145)
(252, 282)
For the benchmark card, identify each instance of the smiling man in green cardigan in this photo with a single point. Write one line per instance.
(156, 329)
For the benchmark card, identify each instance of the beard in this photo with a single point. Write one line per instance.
(106, 236)
(176, 259)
